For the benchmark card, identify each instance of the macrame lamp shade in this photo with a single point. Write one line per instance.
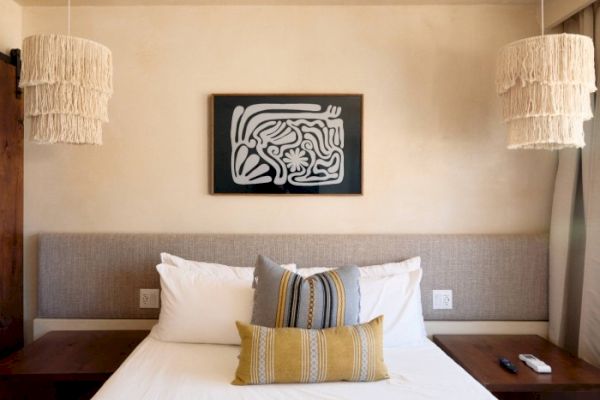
(545, 83)
(67, 83)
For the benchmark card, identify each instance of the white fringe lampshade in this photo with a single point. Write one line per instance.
(545, 83)
(67, 83)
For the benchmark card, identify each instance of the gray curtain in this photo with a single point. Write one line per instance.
(575, 229)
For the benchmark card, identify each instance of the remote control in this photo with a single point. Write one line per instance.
(535, 363)
(507, 365)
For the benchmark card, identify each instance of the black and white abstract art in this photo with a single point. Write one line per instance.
(287, 144)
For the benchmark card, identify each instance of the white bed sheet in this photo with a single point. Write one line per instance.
(178, 371)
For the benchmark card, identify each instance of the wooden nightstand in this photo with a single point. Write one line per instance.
(65, 364)
(571, 378)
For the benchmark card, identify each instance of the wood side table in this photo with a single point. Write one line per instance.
(571, 378)
(65, 364)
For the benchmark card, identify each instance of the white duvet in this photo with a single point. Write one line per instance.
(178, 371)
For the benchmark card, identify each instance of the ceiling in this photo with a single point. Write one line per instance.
(260, 2)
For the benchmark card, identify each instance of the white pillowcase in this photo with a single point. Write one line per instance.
(196, 308)
(398, 299)
(378, 271)
(200, 301)
(215, 271)
(394, 291)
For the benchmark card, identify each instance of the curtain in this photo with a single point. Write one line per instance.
(575, 229)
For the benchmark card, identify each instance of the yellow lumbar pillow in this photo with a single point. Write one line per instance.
(294, 355)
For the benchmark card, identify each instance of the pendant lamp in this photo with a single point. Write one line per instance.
(67, 83)
(544, 83)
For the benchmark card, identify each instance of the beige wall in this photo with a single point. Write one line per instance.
(434, 160)
(558, 11)
(11, 16)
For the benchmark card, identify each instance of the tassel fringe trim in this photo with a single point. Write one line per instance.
(51, 59)
(62, 128)
(545, 133)
(65, 98)
(537, 100)
(549, 59)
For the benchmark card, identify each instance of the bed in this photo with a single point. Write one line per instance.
(161, 370)
(477, 267)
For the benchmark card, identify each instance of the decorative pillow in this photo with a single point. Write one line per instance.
(392, 290)
(292, 355)
(285, 299)
(198, 309)
(217, 271)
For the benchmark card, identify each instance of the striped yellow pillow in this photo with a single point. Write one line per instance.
(295, 355)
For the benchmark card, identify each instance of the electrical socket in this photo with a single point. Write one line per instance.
(442, 299)
(149, 298)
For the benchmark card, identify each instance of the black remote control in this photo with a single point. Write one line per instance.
(507, 365)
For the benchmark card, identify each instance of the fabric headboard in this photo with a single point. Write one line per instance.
(494, 277)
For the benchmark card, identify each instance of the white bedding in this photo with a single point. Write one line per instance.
(161, 370)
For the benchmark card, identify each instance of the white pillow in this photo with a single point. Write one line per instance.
(196, 308)
(216, 271)
(398, 299)
(381, 270)
(394, 291)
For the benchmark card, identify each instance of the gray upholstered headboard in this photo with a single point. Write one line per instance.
(494, 277)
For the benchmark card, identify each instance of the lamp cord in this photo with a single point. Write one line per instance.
(69, 17)
(541, 14)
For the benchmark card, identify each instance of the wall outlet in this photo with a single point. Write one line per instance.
(149, 298)
(442, 299)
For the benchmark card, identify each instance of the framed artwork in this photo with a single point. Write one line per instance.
(287, 143)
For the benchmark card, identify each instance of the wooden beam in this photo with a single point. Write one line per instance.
(557, 11)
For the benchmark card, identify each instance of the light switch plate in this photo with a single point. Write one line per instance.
(149, 298)
(442, 299)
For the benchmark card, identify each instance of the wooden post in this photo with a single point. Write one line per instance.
(11, 205)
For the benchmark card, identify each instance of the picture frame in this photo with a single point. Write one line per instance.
(292, 144)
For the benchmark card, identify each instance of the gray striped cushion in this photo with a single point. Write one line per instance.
(285, 299)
